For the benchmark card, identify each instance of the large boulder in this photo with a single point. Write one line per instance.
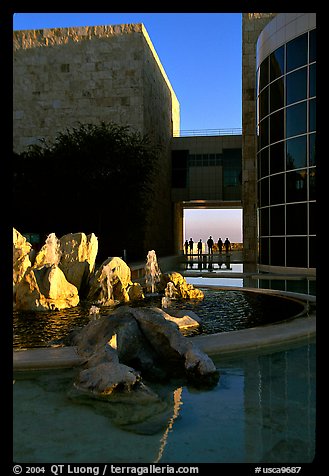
(115, 380)
(78, 257)
(21, 256)
(110, 282)
(45, 288)
(148, 342)
(175, 284)
(50, 253)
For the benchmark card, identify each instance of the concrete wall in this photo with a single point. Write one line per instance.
(205, 183)
(90, 74)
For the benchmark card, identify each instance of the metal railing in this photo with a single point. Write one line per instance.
(208, 132)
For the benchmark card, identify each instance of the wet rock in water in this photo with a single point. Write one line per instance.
(21, 256)
(180, 288)
(115, 380)
(78, 257)
(110, 282)
(149, 343)
(45, 288)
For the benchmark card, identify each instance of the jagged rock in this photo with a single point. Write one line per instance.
(21, 257)
(148, 342)
(105, 377)
(110, 282)
(180, 288)
(184, 318)
(78, 257)
(50, 252)
(45, 288)
(135, 292)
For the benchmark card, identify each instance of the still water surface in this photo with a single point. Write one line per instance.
(220, 311)
(262, 410)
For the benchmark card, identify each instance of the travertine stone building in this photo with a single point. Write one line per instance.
(252, 25)
(64, 76)
(90, 74)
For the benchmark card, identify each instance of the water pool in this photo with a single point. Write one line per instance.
(262, 410)
(221, 310)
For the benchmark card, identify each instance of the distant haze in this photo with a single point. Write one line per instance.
(217, 223)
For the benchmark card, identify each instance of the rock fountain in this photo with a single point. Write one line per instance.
(127, 345)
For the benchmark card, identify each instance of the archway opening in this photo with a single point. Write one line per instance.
(219, 223)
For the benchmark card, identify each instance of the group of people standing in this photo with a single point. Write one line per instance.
(188, 245)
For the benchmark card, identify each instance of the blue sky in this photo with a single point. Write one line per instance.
(201, 54)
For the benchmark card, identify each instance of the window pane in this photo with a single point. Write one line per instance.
(264, 192)
(296, 86)
(263, 104)
(296, 219)
(277, 126)
(312, 218)
(312, 118)
(277, 251)
(263, 74)
(277, 158)
(297, 52)
(312, 91)
(264, 250)
(312, 252)
(263, 133)
(312, 177)
(296, 251)
(277, 220)
(277, 63)
(296, 119)
(312, 145)
(276, 95)
(264, 221)
(277, 189)
(179, 160)
(296, 157)
(312, 46)
(296, 186)
(263, 163)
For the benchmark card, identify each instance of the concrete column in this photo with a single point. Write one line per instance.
(178, 227)
(252, 25)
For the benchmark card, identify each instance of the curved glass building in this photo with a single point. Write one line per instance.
(286, 143)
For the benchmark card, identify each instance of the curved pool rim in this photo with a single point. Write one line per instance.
(294, 330)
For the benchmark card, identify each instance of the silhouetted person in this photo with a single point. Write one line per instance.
(186, 247)
(210, 243)
(220, 245)
(227, 245)
(190, 243)
(199, 247)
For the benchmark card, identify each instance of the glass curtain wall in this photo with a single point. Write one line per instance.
(286, 157)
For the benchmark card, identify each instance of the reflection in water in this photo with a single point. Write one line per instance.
(279, 393)
(261, 411)
(211, 263)
(177, 404)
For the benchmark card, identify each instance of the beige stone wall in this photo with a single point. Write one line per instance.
(252, 25)
(90, 74)
(71, 75)
(161, 114)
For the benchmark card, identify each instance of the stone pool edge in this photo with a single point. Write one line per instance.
(221, 344)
